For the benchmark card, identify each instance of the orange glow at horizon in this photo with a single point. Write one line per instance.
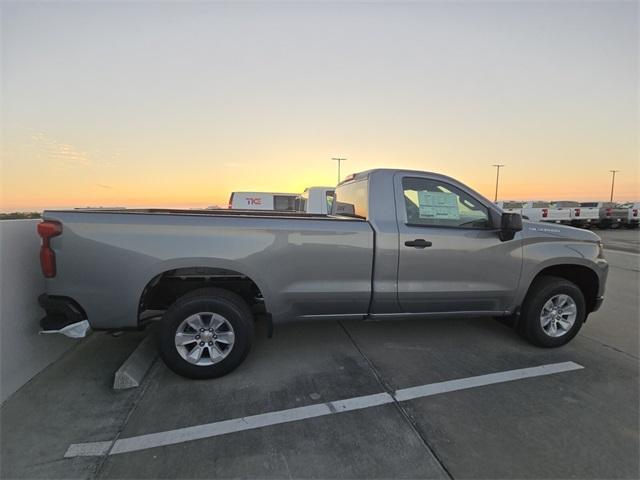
(206, 185)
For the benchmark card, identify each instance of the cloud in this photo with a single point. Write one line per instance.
(62, 152)
(109, 187)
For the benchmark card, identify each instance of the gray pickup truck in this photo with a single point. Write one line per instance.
(398, 244)
(611, 215)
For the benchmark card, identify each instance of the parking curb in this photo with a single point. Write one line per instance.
(135, 367)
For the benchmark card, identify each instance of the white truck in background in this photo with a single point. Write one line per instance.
(317, 200)
(537, 211)
(511, 206)
(633, 214)
(581, 216)
(284, 202)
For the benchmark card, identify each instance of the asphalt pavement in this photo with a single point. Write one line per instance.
(622, 239)
(324, 400)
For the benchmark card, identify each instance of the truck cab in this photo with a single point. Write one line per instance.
(317, 200)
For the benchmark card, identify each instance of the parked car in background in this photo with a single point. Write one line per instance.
(316, 200)
(511, 206)
(633, 215)
(543, 211)
(610, 214)
(399, 244)
(579, 216)
(285, 202)
(537, 211)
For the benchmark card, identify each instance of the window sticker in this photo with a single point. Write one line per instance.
(439, 205)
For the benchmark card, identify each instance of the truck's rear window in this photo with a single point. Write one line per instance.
(589, 204)
(351, 199)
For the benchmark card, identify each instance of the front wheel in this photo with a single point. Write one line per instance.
(206, 333)
(553, 312)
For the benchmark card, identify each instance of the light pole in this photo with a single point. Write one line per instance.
(613, 181)
(339, 160)
(498, 167)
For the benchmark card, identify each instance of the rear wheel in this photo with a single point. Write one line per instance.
(206, 333)
(553, 312)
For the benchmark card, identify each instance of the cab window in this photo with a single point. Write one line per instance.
(329, 200)
(433, 203)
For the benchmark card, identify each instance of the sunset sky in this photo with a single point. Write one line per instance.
(178, 104)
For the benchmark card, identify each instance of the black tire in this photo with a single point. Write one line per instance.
(543, 289)
(222, 302)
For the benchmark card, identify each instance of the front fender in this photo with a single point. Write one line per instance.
(540, 254)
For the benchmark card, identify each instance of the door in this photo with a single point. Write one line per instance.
(451, 259)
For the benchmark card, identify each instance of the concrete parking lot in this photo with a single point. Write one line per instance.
(580, 422)
(621, 239)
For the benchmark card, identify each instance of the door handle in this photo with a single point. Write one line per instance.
(418, 243)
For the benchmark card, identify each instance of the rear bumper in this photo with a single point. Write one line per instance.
(612, 220)
(61, 312)
(580, 222)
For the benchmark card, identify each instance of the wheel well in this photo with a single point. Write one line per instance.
(167, 287)
(585, 278)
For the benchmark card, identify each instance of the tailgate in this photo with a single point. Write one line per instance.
(589, 213)
(559, 214)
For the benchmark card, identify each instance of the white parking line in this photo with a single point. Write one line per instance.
(180, 435)
(482, 380)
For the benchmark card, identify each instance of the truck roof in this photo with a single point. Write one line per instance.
(392, 171)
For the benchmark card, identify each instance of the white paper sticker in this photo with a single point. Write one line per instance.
(439, 205)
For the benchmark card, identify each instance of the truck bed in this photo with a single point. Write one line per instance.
(316, 265)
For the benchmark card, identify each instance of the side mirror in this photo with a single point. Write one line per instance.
(510, 224)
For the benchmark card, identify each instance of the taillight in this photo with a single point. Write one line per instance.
(47, 230)
(577, 212)
(545, 212)
(635, 212)
(608, 212)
